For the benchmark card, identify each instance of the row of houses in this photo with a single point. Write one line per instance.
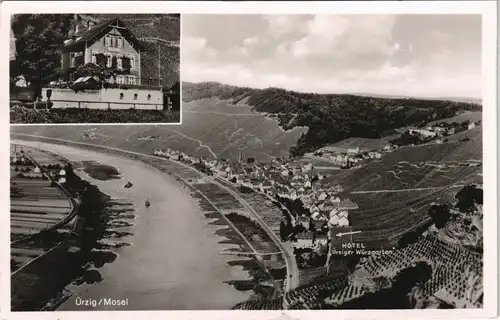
(352, 156)
(323, 206)
(438, 131)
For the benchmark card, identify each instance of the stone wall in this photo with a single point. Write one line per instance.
(136, 98)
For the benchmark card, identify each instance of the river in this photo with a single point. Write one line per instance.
(174, 261)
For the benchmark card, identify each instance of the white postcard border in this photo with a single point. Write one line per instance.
(486, 8)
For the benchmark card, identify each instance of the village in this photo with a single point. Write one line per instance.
(355, 157)
(293, 185)
(315, 207)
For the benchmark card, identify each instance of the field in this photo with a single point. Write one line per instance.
(457, 272)
(36, 203)
(456, 277)
(395, 192)
(228, 129)
(75, 115)
(472, 116)
(201, 134)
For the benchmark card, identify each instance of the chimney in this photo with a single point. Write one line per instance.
(77, 26)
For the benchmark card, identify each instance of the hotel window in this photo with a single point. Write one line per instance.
(119, 42)
(94, 57)
(107, 41)
(132, 63)
(149, 97)
(108, 63)
(121, 96)
(135, 96)
(131, 80)
(113, 41)
(119, 62)
(120, 79)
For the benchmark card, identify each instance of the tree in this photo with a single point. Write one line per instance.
(93, 70)
(250, 160)
(467, 197)
(440, 214)
(39, 40)
(176, 88)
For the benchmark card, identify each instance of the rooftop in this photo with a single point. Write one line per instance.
(87, 35)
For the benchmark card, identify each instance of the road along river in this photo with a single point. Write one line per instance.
(174, 262)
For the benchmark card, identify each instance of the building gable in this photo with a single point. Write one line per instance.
(96, 33)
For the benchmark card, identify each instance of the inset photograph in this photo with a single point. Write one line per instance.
(94, 68)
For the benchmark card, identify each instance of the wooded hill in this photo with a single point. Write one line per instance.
(331, 117)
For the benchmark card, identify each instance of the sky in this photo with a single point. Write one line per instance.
(410, 55)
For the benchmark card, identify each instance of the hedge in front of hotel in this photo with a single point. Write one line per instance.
(75, 115)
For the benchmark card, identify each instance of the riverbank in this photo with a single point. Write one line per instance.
(72, 258)
(189, 280)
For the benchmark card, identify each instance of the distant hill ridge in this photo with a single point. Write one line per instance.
(331, 117)
(456, 99)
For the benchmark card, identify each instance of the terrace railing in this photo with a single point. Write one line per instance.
(81, 105)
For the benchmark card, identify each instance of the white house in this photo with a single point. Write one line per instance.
(343, 213)
(307, 167)
(343, 222)
(304, 240)
(424, 132)
(321, 240)
(37, 170)
(62, 172)
(333, 212)
(471, 125)
(313, 208)
(315, 215)
(335, 200)
(334, 220)
(353, 150)
(307, 184)
(322, 196)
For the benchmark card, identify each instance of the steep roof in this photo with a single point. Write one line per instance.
(347, 204)
(92, 34)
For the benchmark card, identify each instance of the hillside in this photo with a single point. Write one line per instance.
(165, 27)
(213, 135)
(395, 192)
(330, 117)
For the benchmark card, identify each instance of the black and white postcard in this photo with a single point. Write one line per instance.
(333, 161)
